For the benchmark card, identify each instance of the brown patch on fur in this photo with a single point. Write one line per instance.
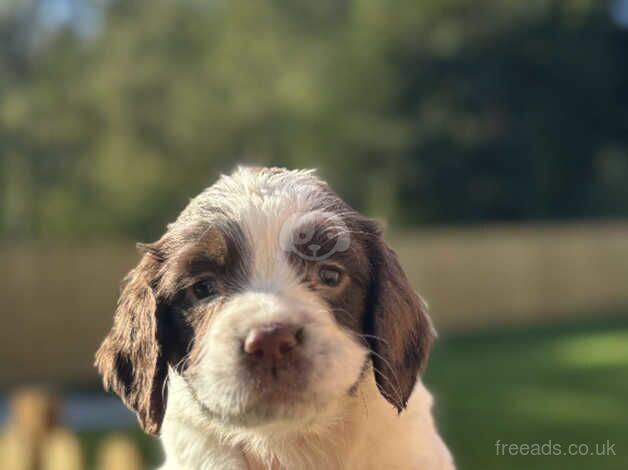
(214, 252)
(348, 300)
(216, 256)
(200, 323)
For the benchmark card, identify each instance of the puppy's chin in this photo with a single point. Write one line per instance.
(287, 411)
(260, 403)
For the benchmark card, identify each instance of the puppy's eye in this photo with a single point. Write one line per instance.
(330, 276)
(203, 290)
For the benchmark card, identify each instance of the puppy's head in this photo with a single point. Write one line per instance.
(271, 298)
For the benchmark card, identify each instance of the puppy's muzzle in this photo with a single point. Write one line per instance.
(272, 345)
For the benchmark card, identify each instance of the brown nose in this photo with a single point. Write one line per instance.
(272, 342)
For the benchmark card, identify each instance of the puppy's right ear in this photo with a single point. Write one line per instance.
(130, 358)
(398, 324)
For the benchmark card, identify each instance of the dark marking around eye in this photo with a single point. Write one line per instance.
(330, 276)
(204, 289)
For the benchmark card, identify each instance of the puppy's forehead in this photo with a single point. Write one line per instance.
(250, 191)
(267, 206)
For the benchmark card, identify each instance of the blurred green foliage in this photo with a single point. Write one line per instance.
(425, 112)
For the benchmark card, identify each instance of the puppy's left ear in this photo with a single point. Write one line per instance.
(400, 331)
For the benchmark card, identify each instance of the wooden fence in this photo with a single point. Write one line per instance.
(479, 278)
(60, 298)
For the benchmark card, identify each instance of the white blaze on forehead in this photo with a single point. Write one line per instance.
(270, 269)
(265, 222)
(288, 230)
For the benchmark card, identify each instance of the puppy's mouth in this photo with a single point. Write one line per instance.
(284, 374)
(260, 402)
(260, 388)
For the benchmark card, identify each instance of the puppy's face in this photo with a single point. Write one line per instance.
(271, 298)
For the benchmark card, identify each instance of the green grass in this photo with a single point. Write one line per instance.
(560, 384)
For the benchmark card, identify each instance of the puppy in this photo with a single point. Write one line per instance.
(271, 327)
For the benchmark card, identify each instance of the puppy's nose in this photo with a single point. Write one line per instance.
(272, 342)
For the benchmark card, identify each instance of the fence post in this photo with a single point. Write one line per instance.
(33, 439)
(61, 450)
(118, 452)
(33, 414)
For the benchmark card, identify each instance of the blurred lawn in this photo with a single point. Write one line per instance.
(565, 384)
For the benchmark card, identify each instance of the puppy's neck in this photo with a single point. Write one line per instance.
(338, 439)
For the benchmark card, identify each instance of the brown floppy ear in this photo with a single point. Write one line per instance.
(130, 358)
(399, 329)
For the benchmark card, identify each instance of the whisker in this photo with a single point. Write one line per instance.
(387, 363)
(375, 337)
(394, 388)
